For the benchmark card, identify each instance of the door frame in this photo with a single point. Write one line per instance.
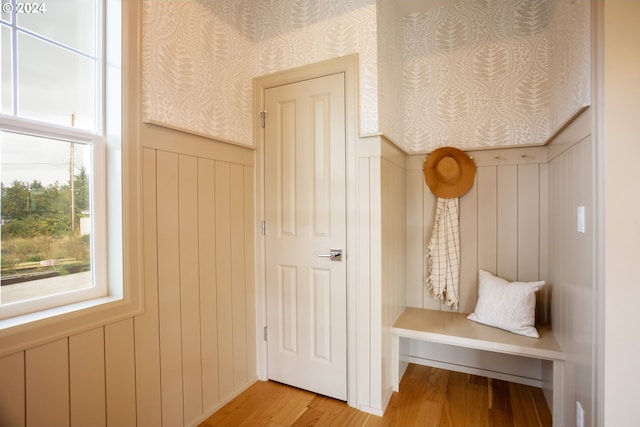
(349, 66)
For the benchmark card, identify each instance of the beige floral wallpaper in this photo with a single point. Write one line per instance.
(486, 73)
(471, 73)
(570, 59)
(200, 56)
(475, 74)
(196, 66)
(390, 79)
(291, 33)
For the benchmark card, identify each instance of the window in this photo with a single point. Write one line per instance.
(60, 131)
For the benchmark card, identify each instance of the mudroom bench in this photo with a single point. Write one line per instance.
(455, 329)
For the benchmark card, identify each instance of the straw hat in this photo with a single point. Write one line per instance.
(449, 172)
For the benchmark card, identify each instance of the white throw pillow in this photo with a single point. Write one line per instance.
(506, 305)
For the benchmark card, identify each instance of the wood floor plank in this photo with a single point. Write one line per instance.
(501, 413)
(437, 385)
(287, 411)
(428, 397)
(455, 402)
(524, 409)
(544, 413)
(421, 400)
(262, 402)
(309, 418)
(477, 402)
(336, 414)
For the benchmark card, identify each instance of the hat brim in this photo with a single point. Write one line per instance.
(464, 181)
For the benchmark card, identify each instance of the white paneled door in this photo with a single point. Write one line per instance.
(305, 217)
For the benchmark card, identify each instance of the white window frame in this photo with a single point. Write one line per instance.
(13, 123)
(123, 206)
(23, 309)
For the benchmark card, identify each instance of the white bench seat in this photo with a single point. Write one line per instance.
(455, 329)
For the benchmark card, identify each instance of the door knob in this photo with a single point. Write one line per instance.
(333, 255)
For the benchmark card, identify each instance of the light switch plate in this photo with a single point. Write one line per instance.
(581, 220)
(579, 415)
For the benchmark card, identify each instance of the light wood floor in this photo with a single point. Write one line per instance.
(427, 397)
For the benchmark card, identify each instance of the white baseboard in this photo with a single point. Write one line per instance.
(370, 410)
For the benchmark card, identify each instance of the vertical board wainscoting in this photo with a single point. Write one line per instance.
(204, 296)
(194, 347)
(503, 229)
(382, 260)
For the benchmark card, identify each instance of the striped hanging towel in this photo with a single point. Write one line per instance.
(443, 253)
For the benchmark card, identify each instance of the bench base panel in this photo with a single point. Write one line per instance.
(533, 382)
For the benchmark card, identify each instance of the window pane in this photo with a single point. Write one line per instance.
(6, 99)
(54, 84)
(70, 22)
(46, 233)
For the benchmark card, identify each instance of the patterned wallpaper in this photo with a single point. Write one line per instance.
(291, 33)
(390, 84)
(473, 73)
(196, 73)
(570, 63)
(200, 56)
(485, 73)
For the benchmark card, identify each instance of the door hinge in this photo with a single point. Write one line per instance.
(263, 115)
(263, 228)
(265, 333)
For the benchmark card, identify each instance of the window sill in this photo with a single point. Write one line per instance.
(29, 330)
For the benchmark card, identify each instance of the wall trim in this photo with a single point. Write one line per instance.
(177, 141)
(573, 132)
(196, 133)
(379, 146)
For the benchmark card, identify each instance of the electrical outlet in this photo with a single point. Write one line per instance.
(579, 415)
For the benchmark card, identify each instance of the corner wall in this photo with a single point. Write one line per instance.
(193, 348)
(503, 229)
(381, 265)
(571, 260)
(503, 224)
(618, 178)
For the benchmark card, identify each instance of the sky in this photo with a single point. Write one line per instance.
(26, 158)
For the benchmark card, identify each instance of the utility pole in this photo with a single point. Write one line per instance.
(72, 204)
